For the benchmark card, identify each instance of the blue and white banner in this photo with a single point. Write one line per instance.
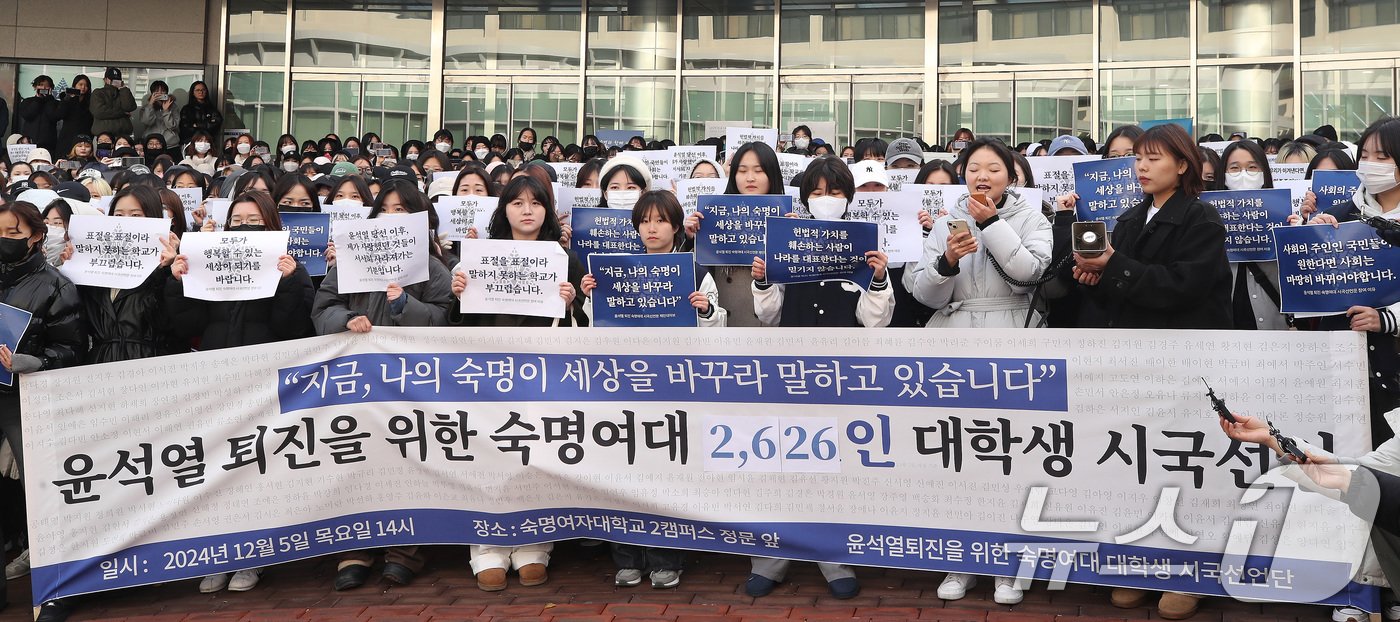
(603, 230)
(1186, 124)
(1091, 457)
(1326, 269)
(14, 322)
(646, 290)
(1250, 216)
(310, 235)
(731, 230)
(1106, 188)
(617, 138)
(801, 250)
(1334, 188)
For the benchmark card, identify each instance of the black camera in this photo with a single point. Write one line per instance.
(73, 92)
(1089, 239)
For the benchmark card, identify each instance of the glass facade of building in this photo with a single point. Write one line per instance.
(1015, 69)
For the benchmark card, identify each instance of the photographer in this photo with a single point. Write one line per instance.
(73, 110)
(39, 115)
(158, 115)
(112, 105)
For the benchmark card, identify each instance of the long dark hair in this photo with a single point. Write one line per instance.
(1338, 157)
(28, 214)
(1255, 152)
(361, 188)
(1209, 156)
(998, 148)
(499, 229)
(1131, 132)
(767, 160)
(266, 208)
(414, 201)
(475, 168)
(148, 197)
(934, 166)
(665, 204)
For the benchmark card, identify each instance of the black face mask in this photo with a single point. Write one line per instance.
(13, 250)
(248, 228)
(590, 152)
(527, 146)
(294, 208)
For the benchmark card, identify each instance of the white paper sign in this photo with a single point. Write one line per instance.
(233, 265)
(456, 214)
(567, 172)
(1287, 172)
(1034, 196)
(661, 167)
(346, 211)
(1055, 174)
(1218, 146)
(715, 129)
(791, 164)
(1298, 188)
(190, 198)
(689, 190)
(372, 253)
(512, 277)
(569, 198)
(684, 159)
(900, 176)
(218, 210)
(937, 198)
(103, 204)
(114, 252)
(20, 153)
(897, 213)
(940, 155)
(736, 137)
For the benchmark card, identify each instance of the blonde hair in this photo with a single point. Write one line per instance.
(97, 186)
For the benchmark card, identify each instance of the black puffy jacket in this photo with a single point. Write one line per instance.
(56, 333)
(285, 315)
(131, 325)
(38, 119)
(195, 116)
(77, 121)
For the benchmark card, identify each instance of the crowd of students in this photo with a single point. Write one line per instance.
(1165, 266)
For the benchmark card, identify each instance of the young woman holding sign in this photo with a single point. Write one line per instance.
(1255, 293)
(827, 190)
(285, 315)
(419, 304)
(660, 222)
(753, 170)
(526, 212)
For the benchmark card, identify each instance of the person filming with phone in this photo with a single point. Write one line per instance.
(159, 114)
(112, 105)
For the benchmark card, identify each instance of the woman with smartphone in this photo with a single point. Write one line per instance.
(158, 115)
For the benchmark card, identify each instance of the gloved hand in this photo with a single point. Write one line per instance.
(25, 363)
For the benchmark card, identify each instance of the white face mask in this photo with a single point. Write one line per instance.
(827, 208)
(623, 199)
(443, 147)
(482, 153)
(347, 203)
(802, 143)
(290, 167)
(244, 148)
(289, 148)
(410, 156)
(18, 178)
(1244, 180)
(201, 147)
(1376, 177)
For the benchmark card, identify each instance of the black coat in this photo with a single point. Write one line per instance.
(1381, 352)
(286, 315)
(134, 325)
(38, 119)
(1171, 272)
(77, 121)
(56, 333)
(196, 116)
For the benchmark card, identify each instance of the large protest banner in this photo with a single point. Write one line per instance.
(1327, 269)
(924, 451)
(1106, 189)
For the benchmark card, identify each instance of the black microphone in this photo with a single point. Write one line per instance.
(1388, 229)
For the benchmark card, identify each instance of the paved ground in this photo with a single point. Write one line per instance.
(580, 590)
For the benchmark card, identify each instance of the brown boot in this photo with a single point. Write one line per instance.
(1129, 598)
(491, 579)
(1174, 606)
(533, 574)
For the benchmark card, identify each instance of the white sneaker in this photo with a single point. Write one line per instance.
(244, 580)
(1007, 593)
(19, 567)
(956, 585)
(1349, 614)
(214, 583)
(1392, 611)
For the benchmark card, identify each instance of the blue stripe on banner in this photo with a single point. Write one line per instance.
(864, 545)
(928, 382)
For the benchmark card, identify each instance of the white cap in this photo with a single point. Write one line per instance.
(40, 155)
(38, 197)
(441, 186)
(867, 171)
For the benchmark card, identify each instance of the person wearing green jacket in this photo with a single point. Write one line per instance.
(112, 105)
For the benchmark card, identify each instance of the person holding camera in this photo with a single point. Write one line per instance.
(158, 115)
(39, 115)
(73, 111)
(112, 105)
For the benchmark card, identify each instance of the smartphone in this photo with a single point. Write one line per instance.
(74, 92)
(375, 147)
(956, 226)
(1090, 238)
(382, 152)
(262, 151)
(130, 162)
(118, 83)
(70, 165)
(351, 151)
(163, 97)
(981, 198)
(959, 144)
